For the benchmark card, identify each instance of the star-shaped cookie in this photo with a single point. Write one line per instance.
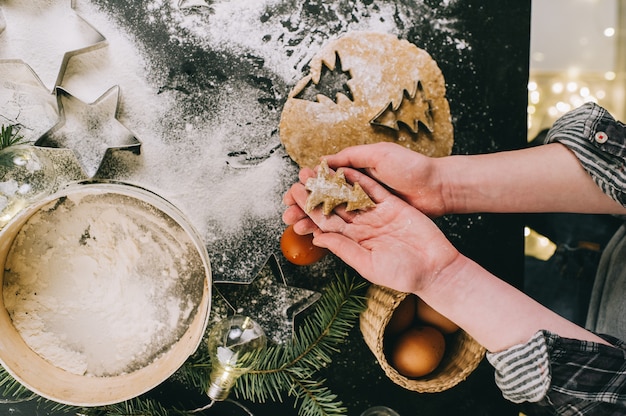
(269, 300)
(44, 35)
(331, 190)
(90, 130)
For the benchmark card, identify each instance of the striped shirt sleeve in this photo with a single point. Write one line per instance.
(522, 372)
(599, 143)
(567, 376)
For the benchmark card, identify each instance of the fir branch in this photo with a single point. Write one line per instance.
(12, 388)
(315, 399)
(10, 136)
(135, 407)
(288, 369)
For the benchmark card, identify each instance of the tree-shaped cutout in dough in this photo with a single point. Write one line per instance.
(333, 81)
(386, 73)
(414, 110)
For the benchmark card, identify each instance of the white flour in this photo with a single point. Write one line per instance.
(186, 149)
(185, 154)
(101, 285)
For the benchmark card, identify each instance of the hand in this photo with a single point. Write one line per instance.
(395, 245)
(392, 244)
(410, 175)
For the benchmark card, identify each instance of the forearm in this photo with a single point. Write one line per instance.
(496, 314)
(546, 178)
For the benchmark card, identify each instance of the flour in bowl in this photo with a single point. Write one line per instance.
(102, 284)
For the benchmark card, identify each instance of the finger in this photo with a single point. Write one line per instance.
(372, 188)
(288, 198)
(293, 214)
(359, 157)
(306, 173)
(347, 249)
(305, 226)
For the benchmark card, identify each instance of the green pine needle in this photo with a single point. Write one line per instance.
(10, 136)
(288, 370)
(134, 407)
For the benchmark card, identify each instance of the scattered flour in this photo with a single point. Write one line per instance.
(189, 134)
(188, 138)
(50, 43)
(101, 284)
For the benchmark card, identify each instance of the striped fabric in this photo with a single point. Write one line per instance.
(523, 371)
(564, 376)
(599, 142)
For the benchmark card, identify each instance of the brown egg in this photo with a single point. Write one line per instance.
(429, 316)
(418, 351)
(403, 315)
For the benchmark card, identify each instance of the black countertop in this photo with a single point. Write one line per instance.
(482, 49)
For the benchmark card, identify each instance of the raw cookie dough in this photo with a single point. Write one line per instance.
(331, 190)
(393, 91)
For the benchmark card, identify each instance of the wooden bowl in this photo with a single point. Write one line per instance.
(188, 283)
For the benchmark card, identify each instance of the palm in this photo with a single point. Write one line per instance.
(391, 241)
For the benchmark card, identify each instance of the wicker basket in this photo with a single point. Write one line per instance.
(462, 356)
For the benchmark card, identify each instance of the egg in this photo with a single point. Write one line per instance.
(418, 351)
(429, 316)
(299, 249)
(402, 316)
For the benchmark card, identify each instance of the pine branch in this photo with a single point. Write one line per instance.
(289, 369)
(316, 399)
(134, 407)
(12, 388)
(10, 136)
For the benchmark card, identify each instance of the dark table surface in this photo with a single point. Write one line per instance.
(482, 49)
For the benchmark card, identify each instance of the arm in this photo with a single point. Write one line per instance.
(397, 246)
(546, 178)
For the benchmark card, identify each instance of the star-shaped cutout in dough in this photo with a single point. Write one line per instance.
(331, 190)
(269, 300)
(188, 4)
(45, 35)
(90, 130)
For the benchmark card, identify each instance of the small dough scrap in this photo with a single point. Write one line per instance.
(332, 190)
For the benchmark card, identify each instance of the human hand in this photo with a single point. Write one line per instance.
(392, 244)
(410, 175)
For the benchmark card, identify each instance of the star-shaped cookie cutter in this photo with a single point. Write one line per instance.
(25, 32)
(189, 4)
(25, 102)
(269, 300)
(91, 131)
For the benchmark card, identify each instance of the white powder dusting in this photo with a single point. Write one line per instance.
(101, 284)
(188, 165)
(50, 42)
(236, 25)
(191, 127)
